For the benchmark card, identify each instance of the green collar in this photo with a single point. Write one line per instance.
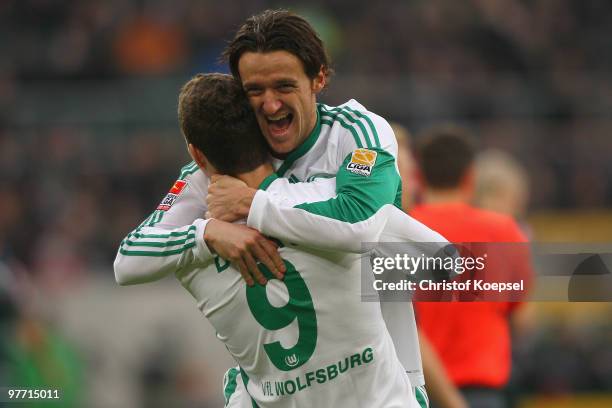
(301, 149)
(267, 181)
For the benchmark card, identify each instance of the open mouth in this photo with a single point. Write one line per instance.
(280, 124)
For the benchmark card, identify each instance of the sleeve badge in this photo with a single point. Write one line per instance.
(175, 191)
(362, 162)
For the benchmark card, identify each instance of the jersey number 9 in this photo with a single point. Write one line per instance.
(298, 307)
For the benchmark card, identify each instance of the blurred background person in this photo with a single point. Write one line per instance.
(406, 165)
(439, 386)
(502, 185)
(472, 339)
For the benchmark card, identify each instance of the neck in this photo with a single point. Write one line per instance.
(313, 122)
(254, 177)
(444, 196)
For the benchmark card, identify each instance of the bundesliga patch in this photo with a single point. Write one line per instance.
(175, 191)
(362, 162)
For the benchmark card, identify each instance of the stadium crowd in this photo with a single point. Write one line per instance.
(530, 77)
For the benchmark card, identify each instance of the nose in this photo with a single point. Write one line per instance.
(271, 104)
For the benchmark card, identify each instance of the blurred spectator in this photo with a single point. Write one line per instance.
(148, 45)
(406, 166)
(34, 354)
(540, 68)
(502, 184)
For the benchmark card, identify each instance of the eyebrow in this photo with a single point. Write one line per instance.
(249, 84)
(285, 81)
(282, 81)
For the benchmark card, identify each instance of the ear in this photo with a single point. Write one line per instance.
(319, 81)
(200, 159)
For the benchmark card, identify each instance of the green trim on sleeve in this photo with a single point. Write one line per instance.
(301, 149)
(156, 218)
(185, 240)
(146, 221)
(188, 169)
(229, 384)
(245, 380)
(157, 215)
(353, 132)
(398, 197)
(421, 396)
(162, 244)
(370, 124)
(138, 234)
(345, 111)
(159, 254)
(267, 181)
(359, 197)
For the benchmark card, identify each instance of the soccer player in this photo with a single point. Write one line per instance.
(310, 341)
(474, 341)
(282, 65)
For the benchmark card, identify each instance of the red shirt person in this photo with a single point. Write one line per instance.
(472, 339)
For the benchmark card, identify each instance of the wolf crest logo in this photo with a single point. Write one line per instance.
(292, 360)
(362, 161)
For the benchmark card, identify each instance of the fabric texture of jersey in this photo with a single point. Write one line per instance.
(472, 338)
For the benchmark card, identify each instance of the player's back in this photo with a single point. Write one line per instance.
(308, 340)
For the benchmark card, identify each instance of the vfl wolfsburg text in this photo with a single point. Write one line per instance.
(320, 376)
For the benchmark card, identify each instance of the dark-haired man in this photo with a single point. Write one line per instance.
(474, 341)
(282, 65)
(339, 353)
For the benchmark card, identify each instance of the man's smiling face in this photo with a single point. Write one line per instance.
(282, 96)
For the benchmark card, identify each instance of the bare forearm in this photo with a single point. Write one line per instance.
(437, 382)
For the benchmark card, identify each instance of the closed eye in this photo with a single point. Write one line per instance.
(252, 91)
(285, 88)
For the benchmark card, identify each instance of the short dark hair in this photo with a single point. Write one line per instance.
(215, 116)
(444, 154)
(279, 30)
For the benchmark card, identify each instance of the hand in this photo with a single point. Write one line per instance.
(242, 246)
(228, 199)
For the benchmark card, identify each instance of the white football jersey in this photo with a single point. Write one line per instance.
(349, 142)
(308, 340)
